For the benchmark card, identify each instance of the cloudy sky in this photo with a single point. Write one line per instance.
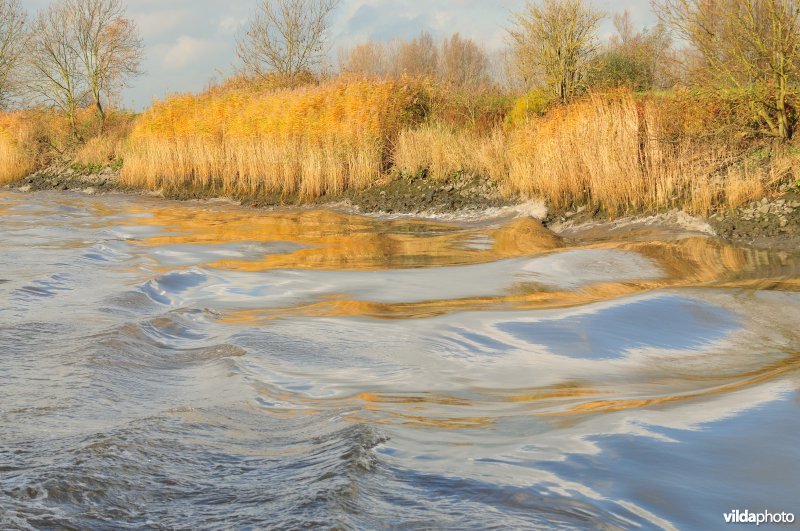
(189, 42)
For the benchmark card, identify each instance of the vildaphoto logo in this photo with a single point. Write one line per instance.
(764, 517)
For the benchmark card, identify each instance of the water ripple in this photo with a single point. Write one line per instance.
(201, 366)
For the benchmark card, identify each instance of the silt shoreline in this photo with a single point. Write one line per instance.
(771, 222)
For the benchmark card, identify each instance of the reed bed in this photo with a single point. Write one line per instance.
(620, 152)
(625, 155)
(33, 139)
(613, 151)
(441, 152)
(438, 150)
(311, 141)
(108, 146)
(16, 160)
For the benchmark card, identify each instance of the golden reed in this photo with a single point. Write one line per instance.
(608, 150)
(311, 141)
(617, 151)
(15, 141)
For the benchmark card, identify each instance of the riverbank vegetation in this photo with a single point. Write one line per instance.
(632, 124)
(310, 140)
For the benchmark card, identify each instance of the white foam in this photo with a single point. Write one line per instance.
(533, 208)
(674, 219)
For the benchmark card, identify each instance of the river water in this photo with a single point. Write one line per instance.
(202, 365)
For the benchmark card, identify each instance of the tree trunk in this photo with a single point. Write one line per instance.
(784, 127)
(101, 113)
(74, 125)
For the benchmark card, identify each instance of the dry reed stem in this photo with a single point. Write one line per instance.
(311, 140)
(15, 136)
(611, 151)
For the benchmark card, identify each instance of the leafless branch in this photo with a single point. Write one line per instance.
(13, 37)
(287, 37)
(555, 41)
(751, 45)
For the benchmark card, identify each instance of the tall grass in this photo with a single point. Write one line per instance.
(33, 139)
(617, 151)
(312, 140)
(614, 151)
(107, 146)
(628, 155)
(441, 152)
(436, 149)
(15, 139)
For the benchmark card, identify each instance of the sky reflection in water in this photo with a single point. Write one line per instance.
(204, 365)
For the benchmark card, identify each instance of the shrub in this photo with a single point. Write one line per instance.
(534, 103)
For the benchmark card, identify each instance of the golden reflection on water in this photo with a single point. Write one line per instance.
(337, 241)
(770, 372)
(8, 205)
(683, 277)
(425, 409)
(454, 423)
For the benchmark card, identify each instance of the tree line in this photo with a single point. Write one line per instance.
(749, 46)
(78, 53)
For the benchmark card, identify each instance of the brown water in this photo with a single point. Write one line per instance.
(196, 365)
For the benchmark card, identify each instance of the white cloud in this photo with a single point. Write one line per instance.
(230, 25)
(186, 51)
(189, 41)
(160, 23)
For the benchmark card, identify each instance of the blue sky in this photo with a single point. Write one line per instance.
(188, 42)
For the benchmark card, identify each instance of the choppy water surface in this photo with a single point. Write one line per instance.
(175, 365)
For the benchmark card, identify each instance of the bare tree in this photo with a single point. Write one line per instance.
(624, 26)
(79, 52)
(367, 59)
(13, 37)
(287, 37)
(418, 57)
(632, 59)
(55, 71)
(122, 53)
(752, 45)
(457, 61)
(555, 41)
(463, 64)
(108, 46)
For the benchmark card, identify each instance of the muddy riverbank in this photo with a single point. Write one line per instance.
(771, 222)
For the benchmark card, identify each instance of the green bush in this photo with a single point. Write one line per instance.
(535, 103)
